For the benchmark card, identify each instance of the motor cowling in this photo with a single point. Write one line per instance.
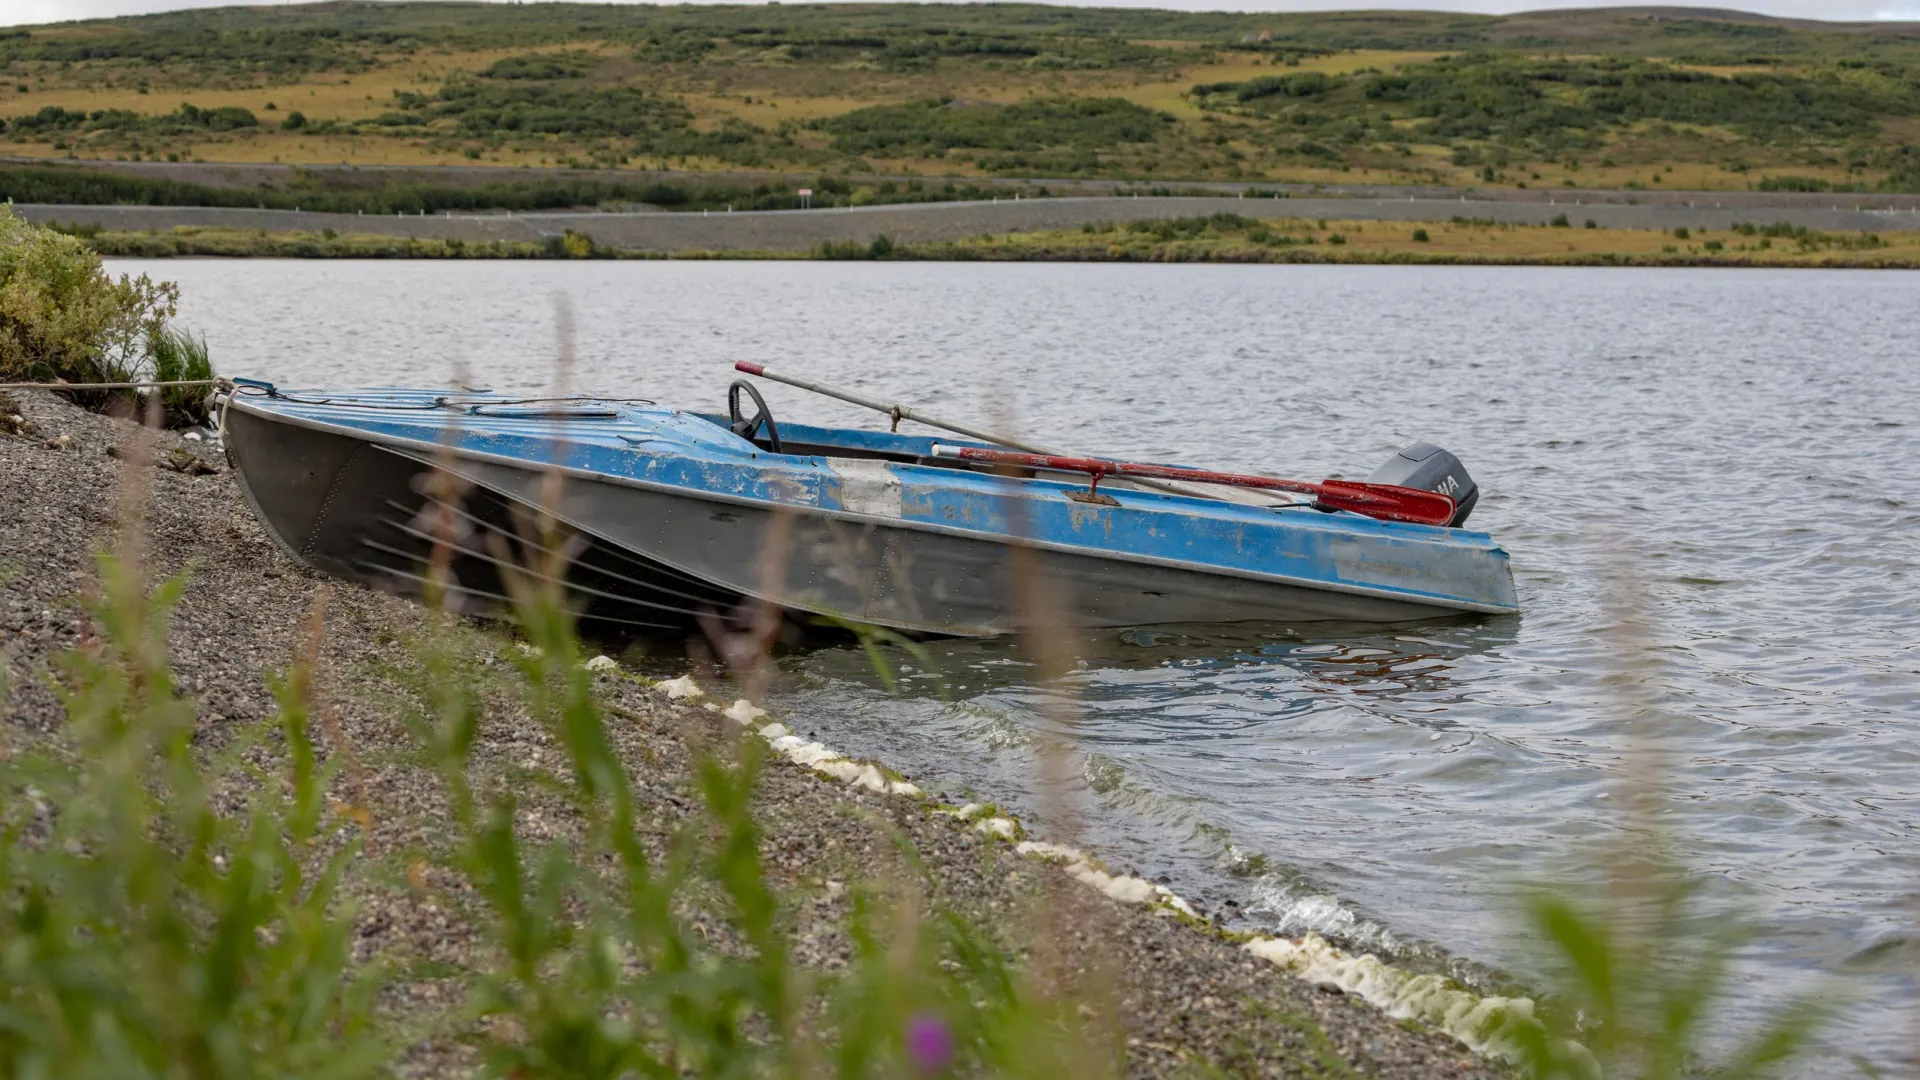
(1429, 468)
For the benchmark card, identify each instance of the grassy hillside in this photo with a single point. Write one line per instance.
(1623, 98)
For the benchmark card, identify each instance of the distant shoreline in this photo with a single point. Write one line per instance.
(799, 231)
(1220, 238)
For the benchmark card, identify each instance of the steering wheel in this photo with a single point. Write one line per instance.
(762, 416)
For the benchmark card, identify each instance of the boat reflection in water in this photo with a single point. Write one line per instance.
(1408, 671)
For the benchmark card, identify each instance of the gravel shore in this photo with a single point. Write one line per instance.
(1190, 1000)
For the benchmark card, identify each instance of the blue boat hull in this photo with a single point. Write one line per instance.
(676, 516)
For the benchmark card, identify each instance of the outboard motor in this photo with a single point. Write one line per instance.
(1429, 468)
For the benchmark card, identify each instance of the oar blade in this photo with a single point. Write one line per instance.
(1388, 502)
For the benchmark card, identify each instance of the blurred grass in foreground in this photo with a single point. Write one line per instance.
(144, 932)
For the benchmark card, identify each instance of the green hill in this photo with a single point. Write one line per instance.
(1674, 98)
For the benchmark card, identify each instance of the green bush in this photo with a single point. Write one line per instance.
(569, 65)
(1793, 183)
(934, 127)
(63, 317)
(1420, 236)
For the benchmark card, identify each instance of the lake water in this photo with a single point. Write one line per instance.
(1730, 457)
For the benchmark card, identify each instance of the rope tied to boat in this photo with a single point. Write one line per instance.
(151, 384)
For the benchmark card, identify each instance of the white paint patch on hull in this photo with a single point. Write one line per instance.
(867, 487)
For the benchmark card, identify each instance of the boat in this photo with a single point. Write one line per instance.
(669, 517)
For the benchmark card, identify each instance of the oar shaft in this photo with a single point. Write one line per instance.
(891, 408)
(905, 412)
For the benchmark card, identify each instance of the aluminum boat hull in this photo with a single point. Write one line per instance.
(677, 516)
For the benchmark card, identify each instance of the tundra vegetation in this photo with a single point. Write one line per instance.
(1622, 98)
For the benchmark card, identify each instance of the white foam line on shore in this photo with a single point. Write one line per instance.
(816, 756)
(1484, 1024)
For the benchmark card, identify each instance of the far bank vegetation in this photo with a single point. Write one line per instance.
(1547, 99)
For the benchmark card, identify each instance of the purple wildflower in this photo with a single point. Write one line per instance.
(929, 1044)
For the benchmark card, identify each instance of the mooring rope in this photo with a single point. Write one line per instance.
(105, 385)
(255, 389)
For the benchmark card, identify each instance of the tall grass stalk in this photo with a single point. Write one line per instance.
(144, 932)
(608, 963)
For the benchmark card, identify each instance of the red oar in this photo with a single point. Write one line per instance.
(1384, 501)
(1388, 502)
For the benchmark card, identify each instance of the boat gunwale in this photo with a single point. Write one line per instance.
(436, 449)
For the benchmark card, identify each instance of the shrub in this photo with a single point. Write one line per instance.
(1793, 183)
(839, 250)
(295, 121)
(1420, 236)
(1560, 222)
(934, 127)
(1682, 233)
(538, 66)
(62, 317)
